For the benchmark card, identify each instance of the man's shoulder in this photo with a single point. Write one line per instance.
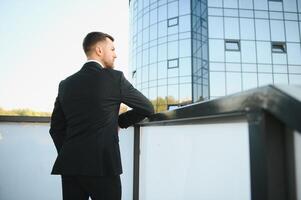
(115, 73)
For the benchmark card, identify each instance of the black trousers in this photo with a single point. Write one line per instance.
(96, 187)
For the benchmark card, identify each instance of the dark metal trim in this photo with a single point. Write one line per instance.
(269, 157)
(136, 162)
(34, 119)
(269, 98)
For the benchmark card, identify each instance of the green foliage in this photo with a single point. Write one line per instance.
(23, 112)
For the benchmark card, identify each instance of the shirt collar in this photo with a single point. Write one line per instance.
(95, 61)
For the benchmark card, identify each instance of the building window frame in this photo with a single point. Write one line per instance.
(278, 47)
(173, 22)
(173, 63)
(232, 41)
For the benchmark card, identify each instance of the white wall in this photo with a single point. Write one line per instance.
(26, 158)
(205, 161)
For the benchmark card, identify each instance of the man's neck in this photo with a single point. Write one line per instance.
(95, 60)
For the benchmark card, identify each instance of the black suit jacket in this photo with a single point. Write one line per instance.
(84, 122)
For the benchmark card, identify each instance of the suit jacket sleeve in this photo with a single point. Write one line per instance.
(141, 106)
(58, 125)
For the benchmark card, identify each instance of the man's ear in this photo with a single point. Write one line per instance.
(98, 50)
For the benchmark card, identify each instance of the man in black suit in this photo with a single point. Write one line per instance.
(84, 123)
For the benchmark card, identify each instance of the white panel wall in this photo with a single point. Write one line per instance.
(206, 161)
(297, 137)
(27, 154)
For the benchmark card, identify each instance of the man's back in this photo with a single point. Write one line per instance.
(90, 101)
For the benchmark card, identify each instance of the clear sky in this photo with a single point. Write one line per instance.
(41, 44)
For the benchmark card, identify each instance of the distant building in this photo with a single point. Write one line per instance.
(184, 51)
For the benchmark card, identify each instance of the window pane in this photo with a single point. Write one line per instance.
(260, 5)
(265, 79)
(173, 21)
(247, 29)
(262, 29)
(264, 68)
(153, 16)
(274, 5)
(173, 50)
(185, 93)
(185, 7)
(293, 53)
(216, 29)
(153, 32)
(217, 84)
(173, 94)
(279, 58)
(146, 20)
(216, 50)
(145, 57)
(232, 45)
(292, 31)
(173, 63)
(162, 13)
(162, 52)
(217, 66)
(249, 80)
(231, 28)
(173, 72)
(295, 79)
(215, 3)
(230, 3)
(145, 75)
(277, 30)
(185, 67)
(278, 47)
(233, 82)
(184, 23)
(280, 68)
(185, 48)
(153, 72)
(162, 70)
(280, 78)
(246, 4)
(233, 67)
(248, 51)
(173, 9)
(162, 29)
(153, 54)
(232, 56)
(146, 35)
(249, 67)
(263, 52)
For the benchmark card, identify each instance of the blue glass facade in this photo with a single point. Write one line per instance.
(183, 51)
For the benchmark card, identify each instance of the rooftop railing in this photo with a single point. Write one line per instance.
(242, 146)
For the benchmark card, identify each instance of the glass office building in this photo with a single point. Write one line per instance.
(183, 51)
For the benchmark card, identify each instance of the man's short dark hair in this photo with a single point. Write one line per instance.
(92, 38)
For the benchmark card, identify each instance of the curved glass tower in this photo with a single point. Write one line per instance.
(183, 51)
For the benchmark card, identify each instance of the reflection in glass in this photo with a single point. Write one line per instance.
(265, 79)
(247, 29)
(248, 51)
(230, 3)
(216, 50)
(231, 28)
(185, 7)
(249, 80)
(215, 3)
(263, 52)
(262, 29)
(277, 30)
(162, 13)
(216, 29)
(264, 68)
(184, 22)
(217, 84)
(172, 9)
(233, 82)
(292, 32)
(246, 4)
(280, 78)
(293, 53)
(232, 56)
